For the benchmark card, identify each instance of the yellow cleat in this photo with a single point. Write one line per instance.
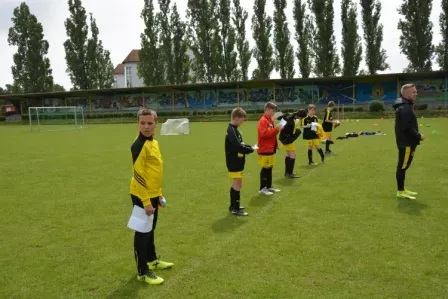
(150, 278)
(409, 192)
(159, 265)
(403, 194)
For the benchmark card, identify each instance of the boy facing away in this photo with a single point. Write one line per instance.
(236, 152)
(310, 136)
(288, 135)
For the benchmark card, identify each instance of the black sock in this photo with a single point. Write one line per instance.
(292, 162)
(310, 156)
(327, 146)
(269, 184)
(232, 198)
(321, 152)
(237, 199)
(287, 169)
(263, 178)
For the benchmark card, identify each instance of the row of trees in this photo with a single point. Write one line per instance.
(214, 35)
(88, 64)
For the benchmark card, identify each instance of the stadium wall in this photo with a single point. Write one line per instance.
(433, 91)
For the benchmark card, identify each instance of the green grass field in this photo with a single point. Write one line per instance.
(337, 232)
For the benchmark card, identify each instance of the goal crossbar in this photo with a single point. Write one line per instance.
(73, 116)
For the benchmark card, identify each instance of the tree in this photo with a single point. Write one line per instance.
(373, 35)
(181, 61)
(101, 67)
(244, 53)
(166, 50)
(416, 34)
(442, 48)
(78, 65)
(88, 63)
(31, 70)
(324, 45)
(150, 66)
(304, 27)
(227, 31)
(201, 32)
(261, 31)
(284, 53)
(351, 41)
(58, 87)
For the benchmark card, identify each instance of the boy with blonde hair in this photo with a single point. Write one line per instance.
(236, 152)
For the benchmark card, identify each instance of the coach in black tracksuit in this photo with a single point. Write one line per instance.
(406, 134)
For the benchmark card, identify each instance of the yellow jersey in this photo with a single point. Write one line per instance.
(147, 167)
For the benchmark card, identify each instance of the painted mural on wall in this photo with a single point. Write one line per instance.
(341, 93)
(382, 91)
(430, 90)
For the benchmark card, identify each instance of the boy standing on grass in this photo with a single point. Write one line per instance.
(310, 135)
(146, 193)
(289, 134)
(236, 152)
(267, 147)
(327, 125)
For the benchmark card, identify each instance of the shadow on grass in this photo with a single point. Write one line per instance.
(411, 207)
(228, 223)
(129, 289)
(286, 182)
(260, 200)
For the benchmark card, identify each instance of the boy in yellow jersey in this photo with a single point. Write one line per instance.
(236, 152)
(310, 134)
(289, 134)
(327, 125)
(146, 192)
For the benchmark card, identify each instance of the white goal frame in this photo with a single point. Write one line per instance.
(78, 112)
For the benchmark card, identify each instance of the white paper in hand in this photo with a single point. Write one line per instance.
(283, 123)
(255, 147)
(313, 126)
(139, 221)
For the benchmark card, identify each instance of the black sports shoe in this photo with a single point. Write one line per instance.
(292, 176)
(239, 213)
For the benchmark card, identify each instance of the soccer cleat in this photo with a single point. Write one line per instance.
(403, 194)
(265, 191)
(239, 213)
(273, 190)
(312, 163)
(231, 208)
(292, 176)
(159, 265)
(409, 192)
(150, 278)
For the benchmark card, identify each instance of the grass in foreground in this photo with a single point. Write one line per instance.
(338, 232)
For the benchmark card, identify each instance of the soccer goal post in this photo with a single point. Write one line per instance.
(55, 118)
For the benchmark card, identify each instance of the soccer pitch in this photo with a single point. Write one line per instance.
(337, 232)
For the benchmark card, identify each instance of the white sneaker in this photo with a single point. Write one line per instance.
(265, 191)
(274, 190)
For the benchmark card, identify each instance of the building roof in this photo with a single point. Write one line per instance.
(134, 56)
(119, 69)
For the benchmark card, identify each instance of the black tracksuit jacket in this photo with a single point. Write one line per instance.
(406, 126)
(235, 150)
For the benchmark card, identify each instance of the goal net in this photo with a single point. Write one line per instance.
(55, 118)
(176, 127)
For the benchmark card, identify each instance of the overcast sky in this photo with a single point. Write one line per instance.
(120, 26)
